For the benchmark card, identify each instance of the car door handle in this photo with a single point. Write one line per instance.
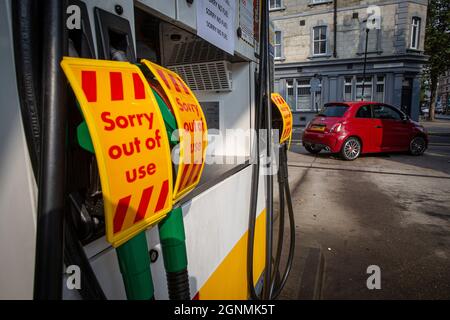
(379, 127)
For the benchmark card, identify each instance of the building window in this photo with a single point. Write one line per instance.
(290, 94)
(319, 40)
(278, 45)
(415, 33)
(348, 89)
(299, 95)
(275, 4)
(379, 93)
(319, 1)
(303, 95)
(367, 88)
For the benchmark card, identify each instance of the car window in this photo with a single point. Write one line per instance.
(333, 111)
(386, 113)
(364, 112)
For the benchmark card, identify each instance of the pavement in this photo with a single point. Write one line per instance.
(388, 210)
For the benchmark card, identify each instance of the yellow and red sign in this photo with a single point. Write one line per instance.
(286, 115)
(130, 142)
(192, 128)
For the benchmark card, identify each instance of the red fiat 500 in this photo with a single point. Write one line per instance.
(353, 128)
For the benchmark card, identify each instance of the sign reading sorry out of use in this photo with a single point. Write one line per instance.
(130, 142)
(286, 115)
(191, 125)
(215, 22)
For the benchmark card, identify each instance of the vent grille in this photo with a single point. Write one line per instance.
(207, 76)
(194, 51)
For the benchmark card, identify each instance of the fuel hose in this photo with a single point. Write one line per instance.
(272, 284)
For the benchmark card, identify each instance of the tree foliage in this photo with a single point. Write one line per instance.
(437, 45)
(437, 36)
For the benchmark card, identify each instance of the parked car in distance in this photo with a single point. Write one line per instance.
(424, 112)
(354, 128)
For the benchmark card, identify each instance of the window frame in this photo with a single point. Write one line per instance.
(377, 82)
(348, 84)
(365, 85)
(303, 83)
(271, 8)
(319, 27)
(416, 24)
(296, 87)
(280, 45)
(288, 86)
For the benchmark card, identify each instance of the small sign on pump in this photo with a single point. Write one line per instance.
(191, 125)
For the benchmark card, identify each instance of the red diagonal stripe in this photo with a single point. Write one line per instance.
(175, 83)
(89, 85)
(139, 92)
(163, 76)
(185, 89)
(143, 204)
(183, 176)
(191, 174)
(162, 196)
(116, 86)
(121, 212)
(197, 172)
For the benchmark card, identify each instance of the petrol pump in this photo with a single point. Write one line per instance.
(118, 155)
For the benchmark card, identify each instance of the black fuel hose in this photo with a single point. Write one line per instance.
(254, 197)
(263, 104)
(27, 59)
(51, 198)
(272, 285)
(284, 183)
(264, 88)
(280, 228)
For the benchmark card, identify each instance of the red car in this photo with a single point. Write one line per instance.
(355, 128)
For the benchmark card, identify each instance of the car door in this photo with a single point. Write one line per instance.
(364, 126)
(394, 128)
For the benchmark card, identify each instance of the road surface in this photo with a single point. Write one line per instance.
(392, 211)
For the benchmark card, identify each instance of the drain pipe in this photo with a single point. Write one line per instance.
(335, 29)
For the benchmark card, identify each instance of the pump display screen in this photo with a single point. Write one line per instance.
(130, 141)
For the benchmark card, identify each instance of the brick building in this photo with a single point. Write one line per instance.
(326, 39)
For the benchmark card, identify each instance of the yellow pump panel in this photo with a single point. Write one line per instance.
(191, 125)
(286, 115)
(130, 142)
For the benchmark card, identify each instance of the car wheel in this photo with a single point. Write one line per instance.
(351, 149)
(417, 146)
(312, 148)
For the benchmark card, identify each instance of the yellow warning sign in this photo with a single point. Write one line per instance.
(192, 128)
(286, 114)
(130, 142)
